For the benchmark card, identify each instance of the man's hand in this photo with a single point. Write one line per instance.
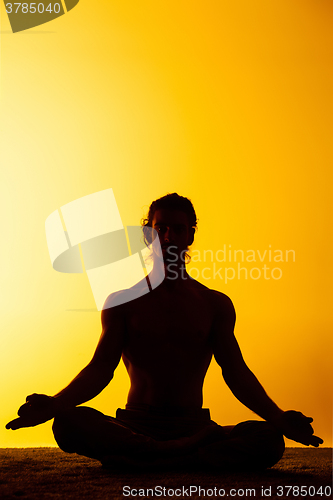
(297, 427)
(39, 408)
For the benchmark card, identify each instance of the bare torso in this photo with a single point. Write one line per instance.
(167, 345)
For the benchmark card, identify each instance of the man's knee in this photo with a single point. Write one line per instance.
(267, 441)
(274, 445)
(64, 430)
(70, 427)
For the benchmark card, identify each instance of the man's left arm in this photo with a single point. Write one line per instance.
(244, 384)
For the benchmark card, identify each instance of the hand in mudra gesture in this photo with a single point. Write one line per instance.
(297, 427)
(39, 408)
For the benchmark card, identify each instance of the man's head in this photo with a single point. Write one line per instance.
(174, 219)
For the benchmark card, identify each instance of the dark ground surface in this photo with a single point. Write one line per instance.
(38, 473)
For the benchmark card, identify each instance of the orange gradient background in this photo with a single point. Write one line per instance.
(227, 103)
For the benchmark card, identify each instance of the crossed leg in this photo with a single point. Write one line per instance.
(88, 432)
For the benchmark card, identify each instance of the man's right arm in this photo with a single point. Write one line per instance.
(88, 383)
(99, 372)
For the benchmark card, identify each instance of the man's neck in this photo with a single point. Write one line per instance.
(175, 275)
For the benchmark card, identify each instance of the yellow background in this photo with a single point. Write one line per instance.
(228, 103)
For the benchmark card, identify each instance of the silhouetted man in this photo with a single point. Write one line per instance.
(166, 339)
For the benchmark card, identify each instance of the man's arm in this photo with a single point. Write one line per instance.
(88, 383)
(243, 383)
(99, 372)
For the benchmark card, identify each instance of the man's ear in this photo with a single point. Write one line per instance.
(191, 236)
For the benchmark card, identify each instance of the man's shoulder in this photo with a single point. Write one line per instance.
(119, 302)
(113, 308)
(115, 299)
(222, 304)
(221, 299)
(217, 297)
